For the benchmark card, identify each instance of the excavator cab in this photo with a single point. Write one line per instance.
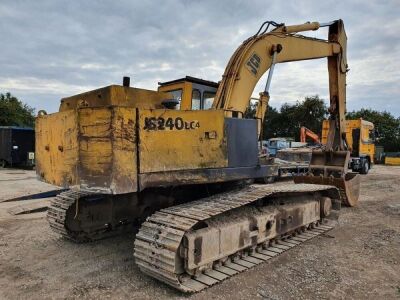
(191, 93)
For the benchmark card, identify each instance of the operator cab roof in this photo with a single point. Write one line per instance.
(191, 79)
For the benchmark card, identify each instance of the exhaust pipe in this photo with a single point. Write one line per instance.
(126, 81)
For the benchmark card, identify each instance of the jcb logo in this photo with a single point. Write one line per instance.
(253, 64)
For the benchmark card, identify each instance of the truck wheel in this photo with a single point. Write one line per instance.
(269, 179)
(364, 167)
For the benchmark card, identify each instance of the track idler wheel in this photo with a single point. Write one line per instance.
(325, 207)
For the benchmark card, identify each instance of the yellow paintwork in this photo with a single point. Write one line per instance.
(392, 161)
(115, 95)
(88, 147)
(297, 28)
(261, 110)
(254, 57)
(53, 131)
(101, 139)
(240, 84)
(95, 147)
(186, 87)
(367, 146)
(167, 150)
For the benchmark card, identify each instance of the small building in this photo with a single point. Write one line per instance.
(17, 146)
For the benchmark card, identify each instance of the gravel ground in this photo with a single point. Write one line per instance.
(17, 183)
(359, 259)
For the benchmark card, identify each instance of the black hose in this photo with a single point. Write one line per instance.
(275, 24)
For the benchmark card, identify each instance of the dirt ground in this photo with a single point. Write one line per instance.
(17, 183)
(359, 259)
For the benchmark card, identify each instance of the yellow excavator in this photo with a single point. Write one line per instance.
(129, 156)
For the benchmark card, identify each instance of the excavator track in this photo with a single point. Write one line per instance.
(62, 213)
(162, 245)
(57, 212)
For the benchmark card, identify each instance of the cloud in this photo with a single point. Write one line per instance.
(52, 49)
(35, 85)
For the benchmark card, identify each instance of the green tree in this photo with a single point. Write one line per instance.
(310, 113)
(287, 122)
(272, 121)
(387, 126)
(15, 113)
(250, 112)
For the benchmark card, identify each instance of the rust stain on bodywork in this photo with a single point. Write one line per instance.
(99, 148)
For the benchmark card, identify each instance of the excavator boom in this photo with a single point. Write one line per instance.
(305, 132)
(260, 53)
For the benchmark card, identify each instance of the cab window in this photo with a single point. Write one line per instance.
(196, 100)
(371, 136)
(208, 99)
(177, 95)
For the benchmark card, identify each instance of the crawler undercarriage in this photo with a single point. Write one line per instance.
(197, 244)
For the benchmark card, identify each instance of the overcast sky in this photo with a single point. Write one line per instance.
(52, 49)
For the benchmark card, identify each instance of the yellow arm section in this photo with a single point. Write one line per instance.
(254, 57)
(261, 110)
